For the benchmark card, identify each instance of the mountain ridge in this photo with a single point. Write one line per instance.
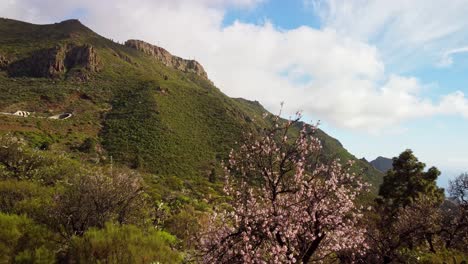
(145, 113)
(167, 58)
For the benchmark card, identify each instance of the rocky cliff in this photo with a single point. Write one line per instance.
(83, 56)
(56, 62)
(167, 58)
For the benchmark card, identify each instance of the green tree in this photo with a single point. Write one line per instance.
(408, 181)
(406, 216)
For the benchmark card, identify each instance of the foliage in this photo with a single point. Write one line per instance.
(406, 182)
(410, 220)
(23, 241)
(89, 145)
(24, 197)
(70, 205)
(185, 224)
(91, 200)
(410, 227)
(22, 163)
(455, 214)
(443, 256)
(116, 244)
(287, 206)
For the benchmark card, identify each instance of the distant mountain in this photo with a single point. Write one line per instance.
(382, 164)
(146, 108)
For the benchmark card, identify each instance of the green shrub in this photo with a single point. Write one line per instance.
(24, 197)
(185, 224)
(89, 146)
(23, 241)
(17, 161)
(124, 244)
(441, 257)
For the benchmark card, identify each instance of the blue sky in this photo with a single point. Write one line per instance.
(382, 76)
(434, 139)
(284, 14)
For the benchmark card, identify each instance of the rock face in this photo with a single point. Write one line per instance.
(42, 63)
(83, 56)
(167, 58)
(382, 164)
(57, 61)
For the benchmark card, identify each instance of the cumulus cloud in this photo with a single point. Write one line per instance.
(333, 73)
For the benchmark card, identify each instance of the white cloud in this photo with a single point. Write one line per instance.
(454, 103)
(332, 73)
(447, 58)
(409, 33)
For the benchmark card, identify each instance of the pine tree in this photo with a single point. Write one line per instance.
(408, 181)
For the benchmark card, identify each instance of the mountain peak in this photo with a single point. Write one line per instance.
(72, 26)
(383, 164)
(72, 21)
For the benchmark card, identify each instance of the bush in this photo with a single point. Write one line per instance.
(92, 199)
(23, 241)
(24, 197)
(185, 224)
(124, 244)
(17, 161)
(89, 146)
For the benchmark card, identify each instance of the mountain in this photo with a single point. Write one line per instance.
(141, 106)
(382, 164)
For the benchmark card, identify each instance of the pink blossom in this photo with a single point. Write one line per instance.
(286, 208)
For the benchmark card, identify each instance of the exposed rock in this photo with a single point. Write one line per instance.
(57, 61)
(42, 63)
(167, 58)
(83, 57)
(124, 57)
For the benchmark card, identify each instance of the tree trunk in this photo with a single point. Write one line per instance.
(312, 248)
(431, 245)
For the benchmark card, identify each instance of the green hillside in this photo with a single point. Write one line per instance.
(127, 106)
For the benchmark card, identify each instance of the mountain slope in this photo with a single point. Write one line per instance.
(382, 164)
(143, 107)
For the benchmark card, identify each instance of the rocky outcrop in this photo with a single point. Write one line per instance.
(56, 62)
(167, 58)
(84, 57)
(42, 63)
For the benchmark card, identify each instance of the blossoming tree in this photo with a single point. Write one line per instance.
(287, 206)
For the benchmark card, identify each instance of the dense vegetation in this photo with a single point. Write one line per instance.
(136, 175)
